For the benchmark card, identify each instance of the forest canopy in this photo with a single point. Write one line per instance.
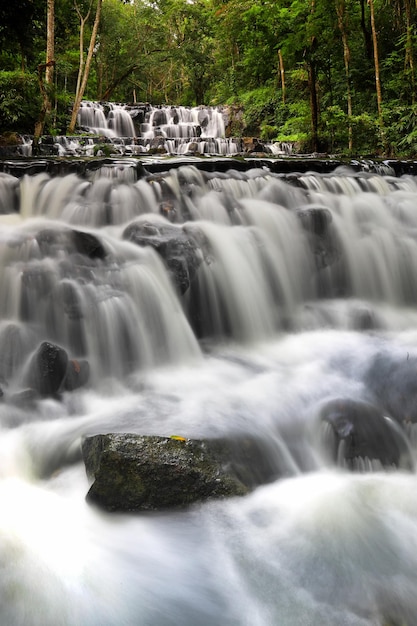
(331, 75)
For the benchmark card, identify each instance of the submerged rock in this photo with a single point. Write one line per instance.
(77, 374)
(358, 436)
(393, 381)
(141, 473)
(317, 222)
(54, 241)
(177, 248)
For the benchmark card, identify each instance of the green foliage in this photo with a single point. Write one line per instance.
(19, 102)
(365, 133)
(334, 128)
(297, 127)
(268, 132)
(59, 120)
(260, 107)
(401, 130)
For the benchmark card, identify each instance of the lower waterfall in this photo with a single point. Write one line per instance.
(243, 305)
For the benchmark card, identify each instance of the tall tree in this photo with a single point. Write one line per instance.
(282, 74)
(84, 69)
(341, 21)
(50, 43)
(83, 19)
(48, 68)
(376, 66)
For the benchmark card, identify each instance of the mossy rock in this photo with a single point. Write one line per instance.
(9, 138)
(105, 149)
(147, 473)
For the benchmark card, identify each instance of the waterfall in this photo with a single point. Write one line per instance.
(210, 303)
(144, 129)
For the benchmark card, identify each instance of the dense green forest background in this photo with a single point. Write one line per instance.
(332, 75)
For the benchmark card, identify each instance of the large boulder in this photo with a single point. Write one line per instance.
(176, 246)
(356, 435)
(141, 473)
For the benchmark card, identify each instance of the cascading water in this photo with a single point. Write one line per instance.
(255, 306)
(145, 129)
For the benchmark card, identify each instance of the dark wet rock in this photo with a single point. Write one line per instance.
(37, 283)
(159, 118)
(70, 299)
(203, 118)
(14, 346)
(356, 434)
(142, 473)
(258, 148)
(363, 319)
(25, 398)
(176, 246)
(174, 115)
(88, 245)
(393, 382)
(253, 460)
(290, 169)
(316, 221)
(193, 148)
(10, 194)
(50, 371)
(47, 369)
(77, 374)
(53, 241)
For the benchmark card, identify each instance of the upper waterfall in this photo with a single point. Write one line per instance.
(136, 129)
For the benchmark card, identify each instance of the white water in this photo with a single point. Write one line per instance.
(319, 546)
(142, 128)
(178, 130)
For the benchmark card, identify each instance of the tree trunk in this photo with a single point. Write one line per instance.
(46, 106)
(340, 9)
(50, 43)
(365, 31)
(376, 66)
(83, 21)
(282, 74)
(313, 104)
(48, 68)
(116, 82)
(409, 57)
(86, 70)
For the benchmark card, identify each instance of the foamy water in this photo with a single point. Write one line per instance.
(279, 338)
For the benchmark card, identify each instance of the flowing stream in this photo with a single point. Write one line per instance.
(305, 292)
